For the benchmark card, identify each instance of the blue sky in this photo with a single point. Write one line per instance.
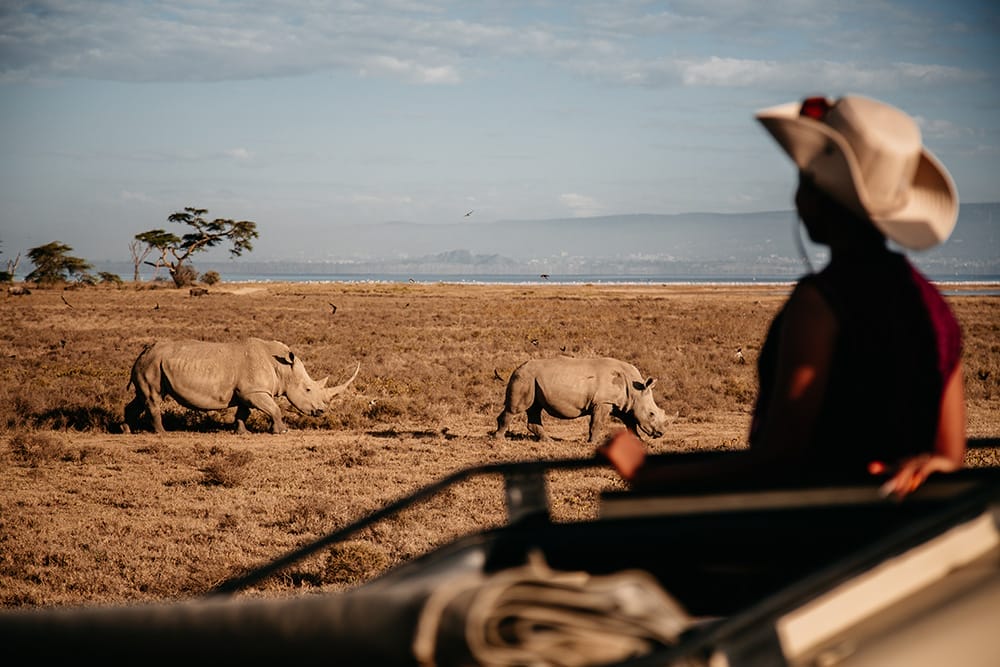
(305, 115)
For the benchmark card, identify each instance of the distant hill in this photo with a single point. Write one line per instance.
(744, 244)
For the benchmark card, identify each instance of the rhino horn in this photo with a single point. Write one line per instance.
(339, 389)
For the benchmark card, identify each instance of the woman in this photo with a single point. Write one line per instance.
(861, 369)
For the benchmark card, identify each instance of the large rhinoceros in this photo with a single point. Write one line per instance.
(568, 388)
(213, 376)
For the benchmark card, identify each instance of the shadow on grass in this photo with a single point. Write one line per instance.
(75, 419)
(424, 434)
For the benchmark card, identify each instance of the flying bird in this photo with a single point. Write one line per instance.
(496, 375)
(544, 276)
(333, 308)
(469, 213)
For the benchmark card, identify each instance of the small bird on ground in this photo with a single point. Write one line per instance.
(738, 357)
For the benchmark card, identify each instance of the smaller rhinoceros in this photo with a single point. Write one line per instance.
(568, 388)
(214, 376)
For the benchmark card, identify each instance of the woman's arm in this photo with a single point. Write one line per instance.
(949, 444)
(805, 355)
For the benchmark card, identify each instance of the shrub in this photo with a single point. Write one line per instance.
(34, 448)
(228, 471)
(210, 277)
(353, 562)
(108, 278)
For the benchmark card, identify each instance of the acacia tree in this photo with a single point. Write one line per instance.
(145, 243)
(8, 275)
(175, 251)
(53, 264)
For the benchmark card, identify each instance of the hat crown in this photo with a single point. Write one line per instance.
(886, 146)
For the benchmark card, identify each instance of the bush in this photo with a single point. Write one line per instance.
(107, 278)
(353, 562)
(228, 471)
(210, 277)
(184, 275)
(33, 448)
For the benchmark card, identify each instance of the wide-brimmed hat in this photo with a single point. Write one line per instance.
(869, 156)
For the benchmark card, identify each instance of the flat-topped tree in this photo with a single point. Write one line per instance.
(175, 251)
(54, 264)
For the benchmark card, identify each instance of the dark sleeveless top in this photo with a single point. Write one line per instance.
(898, 342)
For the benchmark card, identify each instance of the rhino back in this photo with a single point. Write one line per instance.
(581, 383)
(206, 375)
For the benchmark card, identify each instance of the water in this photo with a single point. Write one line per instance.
(969, 284)
(512, 279)
(988, 285)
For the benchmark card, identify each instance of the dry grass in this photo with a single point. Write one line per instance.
(91, 515)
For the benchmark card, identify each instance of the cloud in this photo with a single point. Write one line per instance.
(581, 206)
(128, 196)
(163, 40)
(410, 71)
(441, 43)
(715, 71)
(241, 154)
(940, 129)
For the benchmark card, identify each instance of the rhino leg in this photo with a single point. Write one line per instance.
(503, 423)
(153, 407)
(265, 403)
(598, 421)
(242, 413)
(133, 411)
(535, 423)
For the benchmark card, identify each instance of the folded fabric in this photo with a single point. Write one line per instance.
(533, 615)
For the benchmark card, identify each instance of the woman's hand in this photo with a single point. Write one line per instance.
(625, 452)
(912, 472)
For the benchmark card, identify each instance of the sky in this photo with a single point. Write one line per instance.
(308, 116)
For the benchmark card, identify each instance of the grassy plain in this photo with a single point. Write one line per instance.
(91, 515)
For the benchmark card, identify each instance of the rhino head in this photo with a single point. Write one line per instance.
(648, 415)
(307, 395)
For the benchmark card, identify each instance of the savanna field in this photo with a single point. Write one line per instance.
(89, 514)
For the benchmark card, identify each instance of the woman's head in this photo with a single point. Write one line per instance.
(831, 223)
(867, 157)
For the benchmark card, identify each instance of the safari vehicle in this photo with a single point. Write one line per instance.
(736, 576)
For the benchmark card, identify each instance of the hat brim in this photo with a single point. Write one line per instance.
(925, 218)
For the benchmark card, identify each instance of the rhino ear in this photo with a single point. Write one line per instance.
(650, 383)
(322, 383)
(637, 385)
(288, 361)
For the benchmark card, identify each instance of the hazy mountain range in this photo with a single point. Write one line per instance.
(695, 244)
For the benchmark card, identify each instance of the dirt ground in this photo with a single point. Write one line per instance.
(92, 515)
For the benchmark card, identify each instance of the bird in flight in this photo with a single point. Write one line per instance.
(469, 213)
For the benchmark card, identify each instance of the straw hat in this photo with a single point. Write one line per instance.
(868, 156)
